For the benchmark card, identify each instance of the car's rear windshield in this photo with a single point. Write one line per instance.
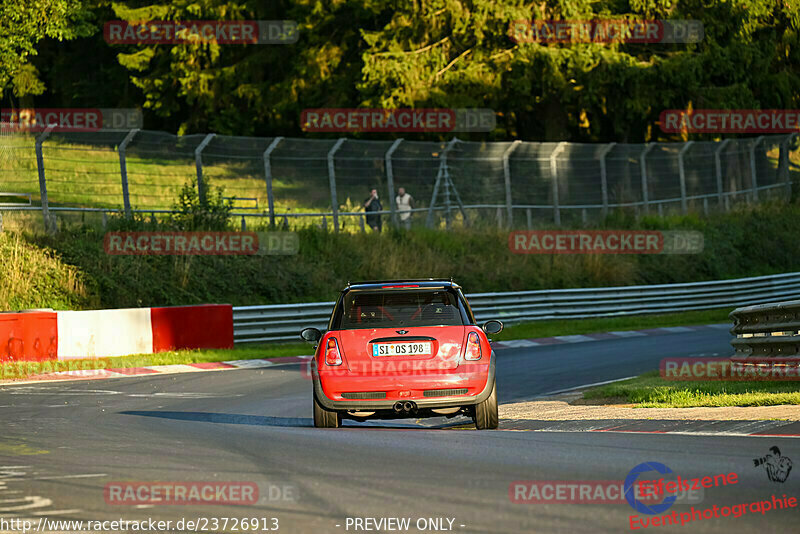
(386, 309)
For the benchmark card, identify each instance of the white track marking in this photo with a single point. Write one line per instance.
(250, 364)
(575, 338)
(58, 477)
(26, 390)
(518, 343)
(185, 395)
(628, 333)
(585, 386)
(34, 502)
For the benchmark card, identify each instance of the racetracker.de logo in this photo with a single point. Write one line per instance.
(730, 121)
(397, 120)
(71, 119)
(606, 31)
(201, 31)
(605, 242)
(590, 492)
(180, 493)
(745, 369)
(200, 243)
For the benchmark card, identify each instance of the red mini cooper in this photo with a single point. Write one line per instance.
(398, 349)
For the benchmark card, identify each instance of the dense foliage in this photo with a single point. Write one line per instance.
(420, 53)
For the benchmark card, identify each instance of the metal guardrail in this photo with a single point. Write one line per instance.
(283, 322)
(771, 330)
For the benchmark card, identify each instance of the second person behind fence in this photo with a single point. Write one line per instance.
(404, 203)
(372, 204)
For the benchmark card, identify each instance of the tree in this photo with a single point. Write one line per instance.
(23, 23)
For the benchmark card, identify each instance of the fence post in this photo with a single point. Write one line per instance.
(554, 177)
(682, 176)
(753, 177)
(332, 180)
(643, 166)
(604, 176)
(529, 216)
(123, 171)
(718, 170)
(507, 177)
(390, 180)
(42, 180)
(784, 164)
(268, 177)
(198, 161)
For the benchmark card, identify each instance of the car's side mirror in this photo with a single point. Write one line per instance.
(492, 327)
(310, 334)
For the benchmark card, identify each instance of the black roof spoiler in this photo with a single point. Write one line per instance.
(403, 281)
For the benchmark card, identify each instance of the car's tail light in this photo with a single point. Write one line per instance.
(332, 355)
(473, 351)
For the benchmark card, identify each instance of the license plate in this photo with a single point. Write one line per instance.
(422, 348)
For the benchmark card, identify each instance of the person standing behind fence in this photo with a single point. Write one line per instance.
(373, 204)
(404, 203)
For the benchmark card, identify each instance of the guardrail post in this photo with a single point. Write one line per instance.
(42, 179)
(198, 161)
(554, 177)
(604, 176)
(643, 168)
(718, 170)
(268, 178)
(507, 177)
(123, 171)
(332, 181)
(753, 176)
(682, 176)
(390, 181)
(784, 163)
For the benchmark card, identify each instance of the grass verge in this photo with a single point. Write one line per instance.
(651, 391)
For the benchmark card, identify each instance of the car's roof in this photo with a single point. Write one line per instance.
(409, 283)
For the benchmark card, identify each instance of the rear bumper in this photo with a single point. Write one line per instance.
(421, 402)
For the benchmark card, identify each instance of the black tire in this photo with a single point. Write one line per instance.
(485, 416)
(324, 418)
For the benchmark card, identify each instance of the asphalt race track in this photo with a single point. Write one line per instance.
(61, 444)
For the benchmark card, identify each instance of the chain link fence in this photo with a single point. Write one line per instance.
(295, 182)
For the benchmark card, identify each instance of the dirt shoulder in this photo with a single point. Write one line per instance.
(572, 407)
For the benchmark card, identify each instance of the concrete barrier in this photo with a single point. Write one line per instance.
(65, 335)
(28, 336)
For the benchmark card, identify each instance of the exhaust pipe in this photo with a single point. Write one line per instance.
(408, 406)
(398, 407)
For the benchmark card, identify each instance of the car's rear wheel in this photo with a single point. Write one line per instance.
(324, 418)
(485, 415)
